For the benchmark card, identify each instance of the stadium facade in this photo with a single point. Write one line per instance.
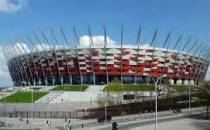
(99, 65)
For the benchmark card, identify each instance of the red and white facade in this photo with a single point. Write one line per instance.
(99, 65)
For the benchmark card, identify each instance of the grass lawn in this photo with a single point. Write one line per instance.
(130, 87)
(182, 88)
(71, 88)
(23, 97)
(144, 87)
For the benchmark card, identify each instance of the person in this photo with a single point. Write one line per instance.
(21, 119)
(1, 124)
(47, 123)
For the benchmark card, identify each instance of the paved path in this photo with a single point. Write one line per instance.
(76, 97)
(148, 118)
(64, 106)
(181, 124)
(125, 122)
(49, 97)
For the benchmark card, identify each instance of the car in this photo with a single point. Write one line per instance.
(10, 124)
(177, 110)
(102, 119)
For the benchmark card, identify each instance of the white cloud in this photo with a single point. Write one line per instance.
(17, 49)
(98, 41)
(5, 79)
(135, 46)
(10, 6)
(208, 74)
(47, 47)
(42, 47)
(22, 48)
(4, 72)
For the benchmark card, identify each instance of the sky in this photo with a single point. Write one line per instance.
(187, 17)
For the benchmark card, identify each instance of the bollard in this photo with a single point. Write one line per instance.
(27, 115)
(10, 115)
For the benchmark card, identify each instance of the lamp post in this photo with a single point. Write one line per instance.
(189, 96)
(156, 96)
(32, 101)
(105, 112)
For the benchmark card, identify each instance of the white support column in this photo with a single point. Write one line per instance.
(121, 53)
(137, 55)
(61, 80)
(186, 82)
(70, 79)
(179, 82)
(94, 79)
(191, 82)
(53, 80)
(105, 51)
(91, 55)
(66, 59)
(76, 49)
(81, 79)
(46, 83)
(171, 81)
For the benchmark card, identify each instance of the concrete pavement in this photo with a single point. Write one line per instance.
(181, 124)
(124, 122)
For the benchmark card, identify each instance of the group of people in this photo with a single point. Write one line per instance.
(2, 124)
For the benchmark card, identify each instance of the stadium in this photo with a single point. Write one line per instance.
(58, 64)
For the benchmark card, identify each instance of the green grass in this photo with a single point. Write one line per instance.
(130, 87)
(71, 88)
(23, 97)
(144, 87)
(182, 88)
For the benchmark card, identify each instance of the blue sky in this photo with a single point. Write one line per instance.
(190, 17)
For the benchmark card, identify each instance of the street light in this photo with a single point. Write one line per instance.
(156, 95)
(105, 107)
(189, 96)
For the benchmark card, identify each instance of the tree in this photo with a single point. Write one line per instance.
(204, 95)
(101, 99)
(105, 99)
